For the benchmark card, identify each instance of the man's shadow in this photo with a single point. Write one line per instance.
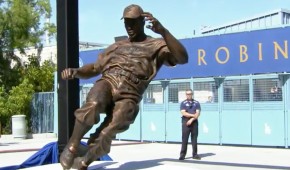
(203, 155)
(135, 165)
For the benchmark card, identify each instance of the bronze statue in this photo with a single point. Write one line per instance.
(127, 67)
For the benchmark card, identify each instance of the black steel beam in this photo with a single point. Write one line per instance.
(67, 57)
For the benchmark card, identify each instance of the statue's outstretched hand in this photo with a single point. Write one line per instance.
(69, 73)
(154, 25)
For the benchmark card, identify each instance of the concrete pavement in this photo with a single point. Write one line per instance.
(135, 155)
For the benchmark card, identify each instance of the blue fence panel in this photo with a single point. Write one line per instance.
(288, 127)
(93, 129)
(134, 131)
(173, 123)
(42, 112)
(287, 110)
(236, 123)
(249, 123)
(209, 124)
(153, 122)
(153, 107)
(268, 124)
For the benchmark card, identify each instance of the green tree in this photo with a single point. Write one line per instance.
(40, 76)
(4, 117)
(22, 25)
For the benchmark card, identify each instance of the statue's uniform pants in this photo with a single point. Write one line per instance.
(121, 112)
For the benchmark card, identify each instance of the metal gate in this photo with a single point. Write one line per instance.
(42, 112)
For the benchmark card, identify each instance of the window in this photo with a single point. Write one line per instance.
(262, 22)
(153, 94)
(268, 21)
(205, 92)
(236, 90)
(276, 20)
(235, 28)
(84, 94)
(286, 18)
(267, 90)
(255, 24)
(176, 93)
(248, 25)
(242, 26)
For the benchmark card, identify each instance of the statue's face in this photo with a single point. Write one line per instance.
(134, 27)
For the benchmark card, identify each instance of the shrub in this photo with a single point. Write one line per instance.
(17, 103)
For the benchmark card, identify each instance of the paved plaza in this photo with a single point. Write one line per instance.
(128, 155)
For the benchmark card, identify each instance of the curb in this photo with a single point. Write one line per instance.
(30, 136)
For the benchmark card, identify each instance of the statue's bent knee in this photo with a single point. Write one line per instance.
(87, 113)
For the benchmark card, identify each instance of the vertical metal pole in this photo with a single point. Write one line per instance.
(164, 84)
(55, 108)
(251, 95)
(285, 97)
(67, 57)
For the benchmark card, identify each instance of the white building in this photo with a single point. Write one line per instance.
(50, 52)
(262, 21)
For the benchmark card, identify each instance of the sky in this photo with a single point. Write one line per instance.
(99, 20)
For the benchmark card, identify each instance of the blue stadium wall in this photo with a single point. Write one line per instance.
(238, 69)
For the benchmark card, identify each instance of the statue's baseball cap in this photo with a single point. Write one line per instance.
(132, 11)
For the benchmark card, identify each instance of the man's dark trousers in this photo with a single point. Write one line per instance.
(186, 131)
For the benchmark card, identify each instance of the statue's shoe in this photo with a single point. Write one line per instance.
(79, 164)
(67, 157)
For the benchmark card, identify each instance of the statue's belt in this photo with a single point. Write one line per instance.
(125, 73)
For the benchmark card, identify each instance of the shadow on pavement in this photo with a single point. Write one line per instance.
(135, 165)
(8, 143)
(203, 155)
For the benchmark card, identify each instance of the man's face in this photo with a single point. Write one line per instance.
(134, 27)
(188, 95)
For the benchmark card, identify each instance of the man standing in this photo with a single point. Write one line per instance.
(190, 110)
(127, 67)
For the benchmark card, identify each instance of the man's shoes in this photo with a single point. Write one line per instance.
(181, 158)
(196, 157)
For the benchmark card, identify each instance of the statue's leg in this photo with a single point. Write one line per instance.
(80, 129)
(98, 130)
(89, 114)
(124, 114)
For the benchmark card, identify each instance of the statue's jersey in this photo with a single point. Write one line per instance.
(130, 66)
